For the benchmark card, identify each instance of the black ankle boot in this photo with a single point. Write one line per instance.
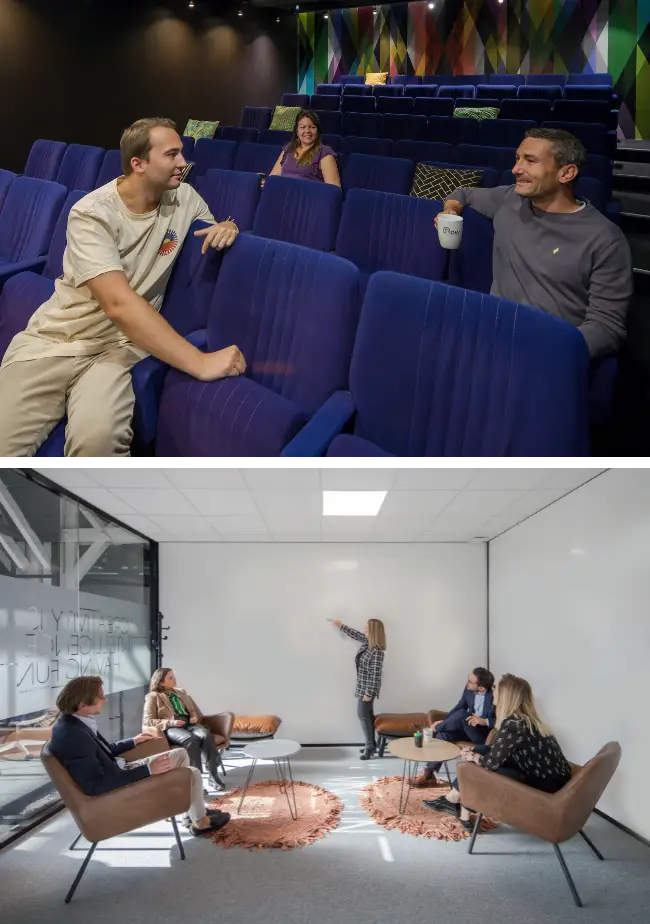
(367, 754)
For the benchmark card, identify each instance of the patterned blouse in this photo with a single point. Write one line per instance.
(369, 662)
(539, 759)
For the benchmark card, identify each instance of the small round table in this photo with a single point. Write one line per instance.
(280, 751)
(439, 751)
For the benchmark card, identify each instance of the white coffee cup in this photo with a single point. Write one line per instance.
(450, 231)
(427, 735)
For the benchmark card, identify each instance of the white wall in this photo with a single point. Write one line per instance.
(569, 610)
(249, 632)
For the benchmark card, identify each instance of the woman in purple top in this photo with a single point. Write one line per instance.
(305, 157)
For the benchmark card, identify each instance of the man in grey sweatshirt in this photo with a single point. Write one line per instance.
(552, 250)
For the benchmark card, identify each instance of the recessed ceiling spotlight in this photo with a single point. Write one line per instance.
(191, 4)
(239, 13)
(431, 6)
(278, 19)
(326, 16)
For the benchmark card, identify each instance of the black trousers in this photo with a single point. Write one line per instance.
(457, 729)
(197, 740)
(366, 713)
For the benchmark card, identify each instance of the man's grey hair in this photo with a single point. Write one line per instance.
(567, 149)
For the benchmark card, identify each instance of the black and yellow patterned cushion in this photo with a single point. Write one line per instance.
(432, 182)
(476, 112)
(284, 118)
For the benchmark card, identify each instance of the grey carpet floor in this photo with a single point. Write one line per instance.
(359, 874)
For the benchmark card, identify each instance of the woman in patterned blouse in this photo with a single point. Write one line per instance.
(521, 746)
(369, 661)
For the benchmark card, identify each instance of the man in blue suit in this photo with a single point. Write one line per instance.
(96, 765)
(472, 719)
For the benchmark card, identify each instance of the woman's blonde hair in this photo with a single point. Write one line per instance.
(158, 679)
(515, 698)
(376, 634)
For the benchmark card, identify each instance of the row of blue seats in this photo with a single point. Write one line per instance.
(595, 137)
(516, 80)
(601, 95)
(342, 360)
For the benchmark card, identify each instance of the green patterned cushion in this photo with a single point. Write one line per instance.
(432, 182)
(284, 118)
(197, 129)
(478, 112)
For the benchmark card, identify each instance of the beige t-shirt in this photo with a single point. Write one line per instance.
(103, 235)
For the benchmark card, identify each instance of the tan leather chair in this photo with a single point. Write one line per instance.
(220, 725)
(400, 725)
(553, 817)
(125, 809)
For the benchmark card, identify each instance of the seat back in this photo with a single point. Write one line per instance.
(258, 117)
(453, 130)
(577, 91)
(191, 284)
(537, 109)
(351, 79)
(331, 89)
(419, 151)
(580, 796)
(409, 127)
(330, 122)
(232, 133)
(417, 90)
(54, 263)
(80, 167)
(296, 99)
(355, 89)
(457, 91)
(292, 311)
(507, 133)
(513, 80)
(433, 106)
(496, 91)
(440, 371)
(403, 105)
(543, 80)
(387, 174)
(532, 91)
(75, 800)
(110, 169)
(274, 136)
(333, 141)
(593, 135)
(380, 147)
(383, 231)
(231, 192)
(6, 179)
(585, 79)
(256, 158)
(322, 102)
(600, 168)
(470, 265)
(210, 154)
(387, 89)
(44, 160)
(28, 217)
(364, 124)
(403, 80)
(354, 103)
(305, 213)
(21, 295)
(189, 143)
(483, 155)
(573, 110)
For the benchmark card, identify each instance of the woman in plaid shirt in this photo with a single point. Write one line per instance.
(369, 661)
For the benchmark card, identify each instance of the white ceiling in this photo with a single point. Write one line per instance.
(284, 505)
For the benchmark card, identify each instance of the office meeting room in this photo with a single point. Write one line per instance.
(349, 695)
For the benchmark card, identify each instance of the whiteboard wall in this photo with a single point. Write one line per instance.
(248, 630)
(570, 611)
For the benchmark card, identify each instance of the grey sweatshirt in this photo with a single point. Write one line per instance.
(577, 266)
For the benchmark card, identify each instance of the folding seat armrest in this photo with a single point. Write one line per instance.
(327, 422)
(35, 265)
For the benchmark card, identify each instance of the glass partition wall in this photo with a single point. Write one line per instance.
(78, 595)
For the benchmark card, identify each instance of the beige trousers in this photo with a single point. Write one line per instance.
(95, 391)
(180, 758)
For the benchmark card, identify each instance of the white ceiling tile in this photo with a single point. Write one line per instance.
(161, 501)
(508, 479)
(532, 502)
(221, 502)
(123, 477)
(72, 478)
(284, 479)
(306, 526)
(358, 479)
(142, 524)
(184, 524)
(435, 479)
(207, 478)
(569, 478)
(289, 503)
(397, 526)
(106, 500)
(472, 508)
(238, 526)
(415, 503)
(350, 527)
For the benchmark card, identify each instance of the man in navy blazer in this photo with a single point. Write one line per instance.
(472, 718)
(96, 765)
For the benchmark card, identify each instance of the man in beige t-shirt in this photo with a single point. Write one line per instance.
(76, 354)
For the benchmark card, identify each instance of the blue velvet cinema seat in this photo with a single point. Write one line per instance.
(80, 167)
(110, 169)
(257, 117)
(440, 371)
(44, 159)
(293, 312)
(257, 158)
(211, 153)
(388, 174)
(231, 193)
(299, 212)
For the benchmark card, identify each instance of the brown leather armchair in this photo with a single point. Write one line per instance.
(553, 817)
(125, 809)
(220, 725)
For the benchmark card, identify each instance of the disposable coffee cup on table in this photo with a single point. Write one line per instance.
(450, 230)
(428, 735)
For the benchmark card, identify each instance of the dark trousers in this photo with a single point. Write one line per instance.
(457, 729)
(366, 714)
(197, 740)
(508, 768)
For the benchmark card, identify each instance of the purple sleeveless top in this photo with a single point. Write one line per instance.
(309, 171)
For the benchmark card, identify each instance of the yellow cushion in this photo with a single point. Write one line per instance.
(373, 79)
(284, 118)
(197, 129)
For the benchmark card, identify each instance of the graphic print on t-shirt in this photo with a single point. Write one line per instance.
(169, 244)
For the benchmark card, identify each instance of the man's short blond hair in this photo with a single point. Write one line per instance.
(136, 140)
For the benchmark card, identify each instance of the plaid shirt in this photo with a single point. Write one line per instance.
(369, 663)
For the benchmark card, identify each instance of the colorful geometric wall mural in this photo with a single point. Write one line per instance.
(486, 37)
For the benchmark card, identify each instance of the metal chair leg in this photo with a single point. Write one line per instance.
(178, 838)
(382, 745)
(73, 887)
(75, 842)
(565, 870)
(592, 845)
(477, 825)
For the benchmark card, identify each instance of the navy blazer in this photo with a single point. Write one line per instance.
(90, 759)
(466, 705)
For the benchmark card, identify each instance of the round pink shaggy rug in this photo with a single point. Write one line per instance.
(381, 801)
(265, 820)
